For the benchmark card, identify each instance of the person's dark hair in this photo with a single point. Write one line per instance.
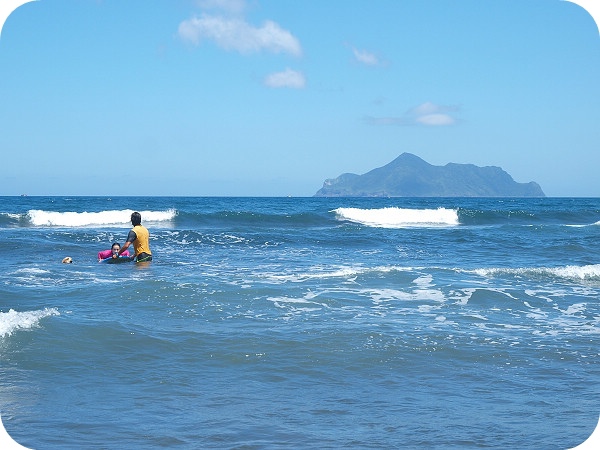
(115, 243)
(136, 218)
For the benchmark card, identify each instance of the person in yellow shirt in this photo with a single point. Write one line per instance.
(139, 237)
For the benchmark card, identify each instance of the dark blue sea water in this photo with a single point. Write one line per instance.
(292, 323)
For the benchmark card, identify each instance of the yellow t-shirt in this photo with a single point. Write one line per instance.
(141, 244)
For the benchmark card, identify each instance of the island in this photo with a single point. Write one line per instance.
(410, 176)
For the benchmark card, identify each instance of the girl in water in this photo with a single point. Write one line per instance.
(114, 251)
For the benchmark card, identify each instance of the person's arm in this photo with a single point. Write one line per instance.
(130, 238)
(122, 250)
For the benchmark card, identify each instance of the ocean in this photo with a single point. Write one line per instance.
(313, 323)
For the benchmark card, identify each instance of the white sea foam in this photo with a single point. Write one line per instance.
(349, 273)
(31, 271)
(379, 296)
(582, 272)
(31, 277)
(583, 225)
(575, 309)
(42, 218)
(427, 308)
(13, 320)
(570, 272)
(463, 296)
(399, 217)
(296, 304)
(424, 280)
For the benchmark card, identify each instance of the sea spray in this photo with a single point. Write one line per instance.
(12, 320)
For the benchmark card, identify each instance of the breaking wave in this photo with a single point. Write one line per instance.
(40, 218)
(12, 320)
(588, 272)
(393, 217)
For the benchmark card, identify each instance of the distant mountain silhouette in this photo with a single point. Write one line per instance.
(410, 176)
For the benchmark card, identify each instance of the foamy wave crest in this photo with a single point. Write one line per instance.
(399, 217)
(348, 273)
(579, 272)
(41, 218)
(12, 320)
(589, 272)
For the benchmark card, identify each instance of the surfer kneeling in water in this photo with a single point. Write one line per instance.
(139, 237)
(112, 253)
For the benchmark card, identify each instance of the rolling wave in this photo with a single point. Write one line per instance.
(588, 272)
(40, 218)
(251, 218)
(569, 273)
(399, 217)
(528, 216)
(305, 212)
(12, 320)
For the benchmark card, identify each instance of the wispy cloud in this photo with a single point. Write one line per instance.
(223, 22)
(235, 34)
(426, 114)
(435, 120)
(365, 57)
(287, 79)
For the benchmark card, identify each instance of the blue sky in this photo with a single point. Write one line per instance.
(271, 97)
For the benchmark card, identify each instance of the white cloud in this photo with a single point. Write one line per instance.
(287, 79)
(424, 108)
(365, 57)
(426, 114)
(435, 120)
(237, 35)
